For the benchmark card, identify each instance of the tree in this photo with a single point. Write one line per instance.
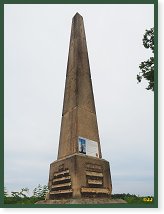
(147, 67)
(23, 193)
(22, 197)
(40, 191)
(5, 192)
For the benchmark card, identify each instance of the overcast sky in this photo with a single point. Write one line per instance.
(36, 51)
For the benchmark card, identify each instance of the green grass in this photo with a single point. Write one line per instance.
(133, 199)
(16, 200)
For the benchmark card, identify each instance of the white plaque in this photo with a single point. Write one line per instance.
(88, 147)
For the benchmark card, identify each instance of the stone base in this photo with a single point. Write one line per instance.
(84, 201)
(79, 176)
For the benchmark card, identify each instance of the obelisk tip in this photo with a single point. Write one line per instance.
(77, 15)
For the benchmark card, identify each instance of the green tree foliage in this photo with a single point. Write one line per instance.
(147, 67)
(22, 197)
(19, 197)
(5, 192)
(22, 194)
(40, 191)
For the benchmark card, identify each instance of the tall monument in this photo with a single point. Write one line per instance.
(79, 170)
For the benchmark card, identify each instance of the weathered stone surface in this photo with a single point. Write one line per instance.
(78, 88)
(79, 114)
(82, 170)
(76, 175)
(84, 201)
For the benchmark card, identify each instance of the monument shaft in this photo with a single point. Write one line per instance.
(79, 115)
(79, 170)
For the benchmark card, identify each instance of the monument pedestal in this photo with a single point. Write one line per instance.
(84, 201)
(78, 176)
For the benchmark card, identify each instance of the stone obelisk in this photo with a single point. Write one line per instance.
(79, 170)
(79, 115)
